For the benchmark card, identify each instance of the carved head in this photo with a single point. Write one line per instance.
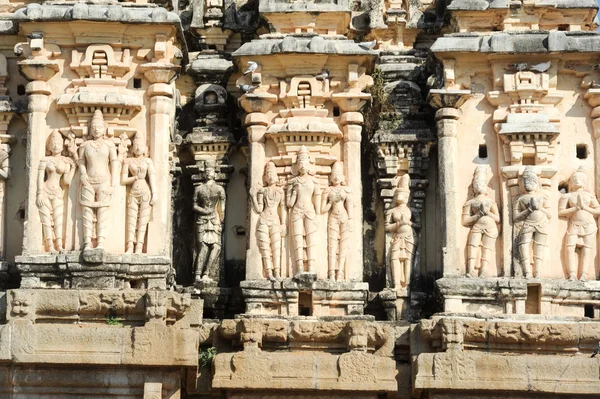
(337, 174)
(303, 163)
(402, 193)
(97, 126)
(270, 175)
(55, 143)
(209, 169)
(139, 147)
(480, 183)
(530, 179)
(578, 179)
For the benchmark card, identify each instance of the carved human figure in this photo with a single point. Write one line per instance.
(209, 205)
(269, 203)
(398, 223)
(338, 202)
(55, 174)
(581, 208)
(532, 211)
(482, 215)
(138, 172)
(4, 175)
(98, 166)
(303, 195)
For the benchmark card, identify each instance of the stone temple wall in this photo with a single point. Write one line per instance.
(299, 199)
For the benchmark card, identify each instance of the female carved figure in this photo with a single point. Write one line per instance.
(98, 164)
(209, 205)
(338, 203)
(302, 195)
(138, 172)
(269, 203)
(581, 208)
(482, 215)
(55, 174)
(398, 223)
(532, 210)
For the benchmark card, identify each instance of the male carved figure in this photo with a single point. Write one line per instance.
(55, 174)
(338, 202)
(398, 223)
(138, 171)
(98, 165)
(482, 215)
(532, 210)
(581, 208)
(302, 195)
(269, 203)
(209, 205)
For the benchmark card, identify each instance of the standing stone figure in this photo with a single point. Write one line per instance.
(209, 205)
(4, 175)
(338, 202)
(98, 163)
(269, 203)
(303, 194)
(581, 208)
(531, 210)
(482, 215)
(398, 223)
(138, 171)
(55, 174)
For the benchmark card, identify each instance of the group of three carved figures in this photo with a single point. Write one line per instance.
(302, 199)
(531, 216)
(97, 160)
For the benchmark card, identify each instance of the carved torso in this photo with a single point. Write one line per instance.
(337, 196)
(97, 154)
(537, 218)
(139, 167)
(306, 187)
(271, 197)
(56, 166)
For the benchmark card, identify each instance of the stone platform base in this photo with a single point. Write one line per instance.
(400, 304)
(93, 269)
(304, 297)
(520, 296)
(216, 299)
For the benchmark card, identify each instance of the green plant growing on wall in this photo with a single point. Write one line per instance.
(380, 113)
(207, 356)
(113, 321)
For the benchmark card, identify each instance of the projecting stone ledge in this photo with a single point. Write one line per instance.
(480, 5)
(519, 42)
(303, 44)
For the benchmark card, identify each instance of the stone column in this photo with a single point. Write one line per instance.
(38, 69)
(160, 93)
(448, 103)
(593, 98)
(352, 128)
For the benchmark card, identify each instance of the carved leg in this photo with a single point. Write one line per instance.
(586, 255)
(473, 253)
(525, 252)
(540, 241)
(132, 215)
(298, 241)
(396, 267)
(57, 213)
(46, 219)
(212, 264)
(200, 263)
(144, 218)
(310, 228)
(88, 195)
(344, 242)
(572, 259)
(407, 264)
(276, 250)
(486, 254)
(102, 213)
(333, 241)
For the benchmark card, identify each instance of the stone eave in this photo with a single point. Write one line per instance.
(129, 14)
(271, 7)
(528, 42)
(480, 5)
(301, 45)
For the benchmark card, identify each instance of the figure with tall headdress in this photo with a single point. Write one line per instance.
(209, 205)
(98, 166)
(581, 208)
(303, 195)
(398, 223)
(532, 212)
(55, 173)
(138, 172)
(337, 201)
(269, 203)
(482, 215)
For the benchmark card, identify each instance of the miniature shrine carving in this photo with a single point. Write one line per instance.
(209, 205)
(98, 165)
(398, 223)
(581, 208)
(337, 202)
(531, 215)
(303, 194)
(55, 173)
(481, 214)
(269, 203)
(138, 172)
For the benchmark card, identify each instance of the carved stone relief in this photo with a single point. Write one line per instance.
(398, 223)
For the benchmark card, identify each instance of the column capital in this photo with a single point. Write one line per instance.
(443, 98)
